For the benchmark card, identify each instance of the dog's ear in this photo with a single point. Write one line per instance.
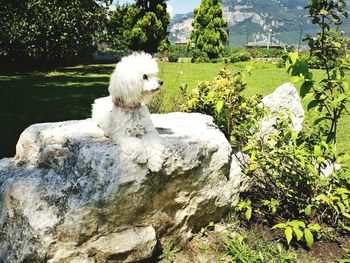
(126, 86)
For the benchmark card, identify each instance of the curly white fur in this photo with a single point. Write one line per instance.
(123, 117)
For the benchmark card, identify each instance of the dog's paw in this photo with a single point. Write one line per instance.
(155, 164)
(155, 152)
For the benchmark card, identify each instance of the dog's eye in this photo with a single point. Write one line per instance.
(145, 77)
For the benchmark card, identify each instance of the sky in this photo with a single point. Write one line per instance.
(175, 6)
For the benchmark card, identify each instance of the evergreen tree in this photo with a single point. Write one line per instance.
(149, 21)
(117, 28)
(209, 29)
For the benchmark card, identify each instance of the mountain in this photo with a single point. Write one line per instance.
(251, 20)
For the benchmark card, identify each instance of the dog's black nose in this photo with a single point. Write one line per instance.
(160, 82)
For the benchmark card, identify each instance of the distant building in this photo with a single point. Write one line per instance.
(263, 44)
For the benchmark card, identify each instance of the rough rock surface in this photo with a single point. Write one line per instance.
(283, 101)
(70, 195)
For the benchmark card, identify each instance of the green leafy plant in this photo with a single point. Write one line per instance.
(169, 252)
(346, 258)
(299, 230)
(284, 178)
(240, 251)
(239, 57)
(335, 207)
(176, 52)
(235, 114)
(209, 227)
(245, 207)
(256, 248)
(330, 96)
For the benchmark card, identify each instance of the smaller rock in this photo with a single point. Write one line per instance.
(283, 101)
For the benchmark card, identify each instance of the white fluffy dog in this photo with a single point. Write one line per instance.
(123, 117)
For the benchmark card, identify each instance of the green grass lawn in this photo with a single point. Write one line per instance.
(67, 93)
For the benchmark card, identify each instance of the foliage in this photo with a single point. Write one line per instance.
(266, 53)
(245, 206)
(117, 29)
(334, 206)
(256, 248)
(148, 22)
(287, 166)
(330, 96)
(50, 30)
(346, 258)
(299, 230)
(221, 98)
(289, 189)
(169, 252)
(176, 52)
(209, 29)
(282, 169)
(240, 57)
(199, 56)
(204, 230)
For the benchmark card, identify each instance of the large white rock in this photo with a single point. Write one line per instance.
(283, 101)
(70, 195)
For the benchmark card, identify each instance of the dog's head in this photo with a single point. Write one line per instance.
(134, 78)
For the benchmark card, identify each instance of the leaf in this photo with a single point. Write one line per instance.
(317, 151)
(305, 88)
(280, 225)
(341, 206)
(248, 213)
(218, 106)
(297, 224)
(312, 104)
(317, 121)
(298, 233)
(342, 97)
(309, 238)
(323, 197)
(293, 57)
(347, 215)
(314, 227)
(324, 12)
(295, 79)
(289, 234)
(330, 137)
(308, 210)
(253, 166)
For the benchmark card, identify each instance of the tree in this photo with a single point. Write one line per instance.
(209, 29)
(50, 29)
(117, 30)
(149, 21)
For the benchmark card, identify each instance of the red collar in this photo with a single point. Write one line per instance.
(122, 104)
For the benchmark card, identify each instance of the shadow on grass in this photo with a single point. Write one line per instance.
(36, 97)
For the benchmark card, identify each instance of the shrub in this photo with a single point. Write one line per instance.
(221, 98)
(199, 57)
(229, 51)
(176, 52)
(265, 53)
(240, 57)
